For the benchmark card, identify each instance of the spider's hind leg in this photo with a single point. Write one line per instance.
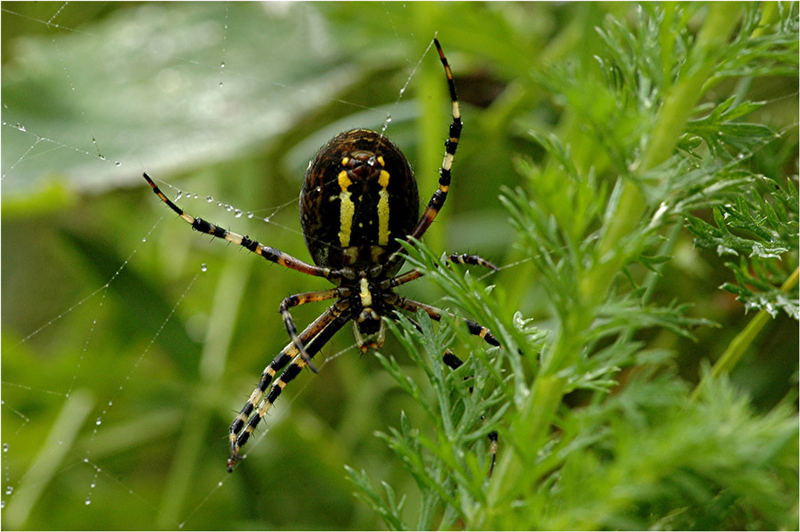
(301, 299)
(314, 336)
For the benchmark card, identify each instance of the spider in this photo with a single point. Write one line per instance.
(359, 198)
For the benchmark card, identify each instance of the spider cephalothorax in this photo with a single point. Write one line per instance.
(359, 199)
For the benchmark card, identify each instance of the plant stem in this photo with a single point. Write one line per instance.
(742, 341)
(678, 105)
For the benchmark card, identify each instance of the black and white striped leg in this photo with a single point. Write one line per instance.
(474, 327)
(456, 258)
(302, 299)
(314, 336)
(450, 146)
(269, 253)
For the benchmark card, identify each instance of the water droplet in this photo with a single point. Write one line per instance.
(229, 208)
(402, 91)
(388, 119)
(88, 501)
(179, 196)
(5, 447)
(144, 239)
(222, 64)
(2, 504)
(110, 403)
(250, 215)
(117, 163)
(102, 157)
(203, 267)
(92, 485)
(221, 84)
(9, 490)
(740, 156)
(209, 199)
(219, 204)
(98, 421)
(86, 460)
(219, 483)
(21, 127)
(180, 525)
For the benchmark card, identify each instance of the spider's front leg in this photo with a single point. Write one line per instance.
(269, 253)
(450, 146)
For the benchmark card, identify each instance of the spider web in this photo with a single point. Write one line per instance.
(172, 90)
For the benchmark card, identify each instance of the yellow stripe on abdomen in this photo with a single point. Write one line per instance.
(347, 210)
(383, 209)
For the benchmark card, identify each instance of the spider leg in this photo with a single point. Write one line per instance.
(269, 253)
(302, 299)
(316, 335)
(450, 145)
(411, 275)
(436, 314)
(451, 359)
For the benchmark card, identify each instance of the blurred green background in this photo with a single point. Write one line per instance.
(123, 363)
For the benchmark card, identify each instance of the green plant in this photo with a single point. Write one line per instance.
(598, 428)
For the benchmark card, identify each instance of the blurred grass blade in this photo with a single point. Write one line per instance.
(55, 447)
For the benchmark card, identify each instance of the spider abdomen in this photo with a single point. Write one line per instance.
(359, 195)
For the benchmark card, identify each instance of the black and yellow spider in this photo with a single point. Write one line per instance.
(359, 198)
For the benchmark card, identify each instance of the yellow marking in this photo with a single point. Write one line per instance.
(380, 160)
(255, 396)
(483, 332)
(232, 437)
(456, 110)
(447, 163)
(365, 294)
(233, 237)
(271, 372)
(188, 218)
(444, 188)
(347, 209)
(291, 350)
(350, 254)
(345, 160)
(281, 384)
(249, 429)
(383, 209)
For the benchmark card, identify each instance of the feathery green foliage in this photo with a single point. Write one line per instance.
(597, 428)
